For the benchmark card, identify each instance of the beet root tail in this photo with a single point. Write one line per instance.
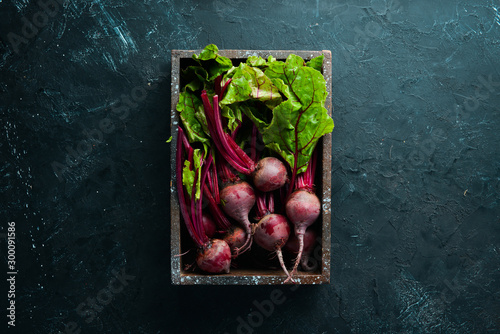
(299, 255)
(282, 263)
(246, 246)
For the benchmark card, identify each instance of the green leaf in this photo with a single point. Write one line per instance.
(189, 172)
(294, 61)
(195, 76)
(284, 89)
(192, 117)
(299, 79)
(316, 63)
(280, 134)
(307, 84)
(209, 52)
(251, 83)
(256, 61)
(256, 115)
(300, 121)
(275, 69)
(215, 64)
(169, 139)
(296, 130)
(188, 177)
(233, 115)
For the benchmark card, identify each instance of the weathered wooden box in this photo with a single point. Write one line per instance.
(248, 273)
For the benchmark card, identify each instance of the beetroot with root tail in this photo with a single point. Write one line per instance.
(238, 199)
(302, 208)
(273, 230)
(270, 174)
(272, 233)
(235, 238)
(292, 246)
(214, 258)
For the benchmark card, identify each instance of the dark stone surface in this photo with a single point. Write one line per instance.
(416, 173)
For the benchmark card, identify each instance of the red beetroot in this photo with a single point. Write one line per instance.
(272, 233)
(293, 246)
(273, 230)
(238, 199)
(270, 174)
(302, 208)
(214, 257)
(235, 238)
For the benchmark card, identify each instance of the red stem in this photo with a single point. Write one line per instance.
(212, 183)
(226, 145)
(220, 219)
(215, 183)
(199, 202)
(270, 202)
(193, 208)
(185, 143)
(265, 203)
(180, 189)
(225, 173)
(248, 166)
(219, 89)
(223, 90)
(305, 180)
(227, 141)
(261, 204)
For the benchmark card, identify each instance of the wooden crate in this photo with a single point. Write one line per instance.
(253, 275)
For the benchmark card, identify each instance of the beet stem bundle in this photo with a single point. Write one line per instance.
(214, 256)
(268, 174)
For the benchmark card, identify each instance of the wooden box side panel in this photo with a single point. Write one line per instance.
(175, 216)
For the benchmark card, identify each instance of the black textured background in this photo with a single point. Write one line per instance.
(416, 169)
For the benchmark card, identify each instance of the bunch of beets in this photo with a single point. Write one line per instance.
(246, 157)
